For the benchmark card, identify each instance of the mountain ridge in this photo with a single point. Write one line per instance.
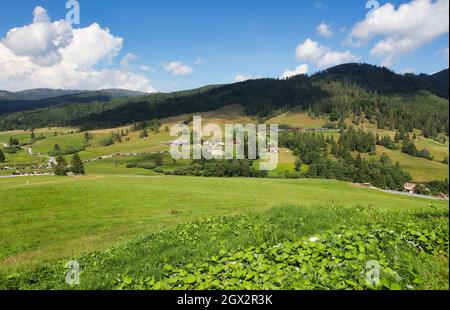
(378, 93)
(48, 93)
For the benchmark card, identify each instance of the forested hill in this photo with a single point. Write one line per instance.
(42, 97)
(378, 94)
(385, 81)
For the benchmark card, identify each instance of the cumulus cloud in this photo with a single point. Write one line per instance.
(322, 56)
(55, 55)
(302, 69)
(40, 15)
(125, 62)
(324, 30)
(404, 29)
(178, 68)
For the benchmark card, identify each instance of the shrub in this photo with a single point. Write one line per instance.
(146, 166)
(12, 149)
(107, 141)
(425, 154)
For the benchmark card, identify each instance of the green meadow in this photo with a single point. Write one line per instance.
(48, 218)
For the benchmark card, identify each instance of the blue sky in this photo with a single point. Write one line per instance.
(219, 41)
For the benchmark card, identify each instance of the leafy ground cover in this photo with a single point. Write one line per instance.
(317, 247)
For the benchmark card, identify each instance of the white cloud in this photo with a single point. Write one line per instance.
(242, 78)
(322, 56)
(324, 30)
(40, 41)
(178, 68)
(404, 29)
(40, 15)
(302, 69)
(91, 45)
(146, 68)
(55, 55)
(125, 62)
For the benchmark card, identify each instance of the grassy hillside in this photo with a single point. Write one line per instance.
(298, 120)
(421, 169)
(48, 218)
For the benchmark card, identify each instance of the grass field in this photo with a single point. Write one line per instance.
(51, 218)
(268, 249)
(420, 169)
(437, 149)
(297, 120)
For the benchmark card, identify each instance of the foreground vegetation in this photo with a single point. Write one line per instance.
(48, 218)
(292, 247)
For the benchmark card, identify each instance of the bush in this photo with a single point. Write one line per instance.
(131, 165)
(107, 141)
(146, 166)
(437, 187)
(425, 154)
(12, 149)
(329, 126)
(293, 175)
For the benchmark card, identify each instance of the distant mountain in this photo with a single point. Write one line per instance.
(44, 93)
(6, 95)
(43, 97)
(123, 93)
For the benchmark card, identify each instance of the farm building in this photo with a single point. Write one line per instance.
(409, 187)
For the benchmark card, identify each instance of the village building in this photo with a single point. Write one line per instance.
(409, 187)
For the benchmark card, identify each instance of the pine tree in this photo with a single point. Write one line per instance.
(33, 137)
(87, 136)
(61, 166)
(298, 165)
(13, 141)
(2, 156)
(76, 165)
(144, 134)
